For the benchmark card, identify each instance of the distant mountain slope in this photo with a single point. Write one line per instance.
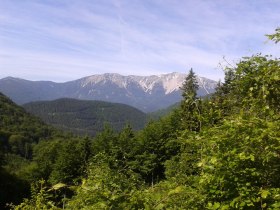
(22, 91)
(163, 112)
(147, 93)
(86, 117)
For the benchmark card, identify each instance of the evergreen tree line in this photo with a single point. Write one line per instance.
(220, 152)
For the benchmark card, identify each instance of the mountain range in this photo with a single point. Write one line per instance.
(147, 93)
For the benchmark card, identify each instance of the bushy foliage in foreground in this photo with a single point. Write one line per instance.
(217, 153)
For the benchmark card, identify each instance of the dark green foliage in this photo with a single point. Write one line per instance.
(190, 86)
(158, 143)
(190, 105)
(61, 160)
(45, 155)
(14, 120)
(70, 162)
(86, 117)
(12, 188)
(19, 131)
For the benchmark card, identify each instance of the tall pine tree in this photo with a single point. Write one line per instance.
(190, 103)
(190, 87)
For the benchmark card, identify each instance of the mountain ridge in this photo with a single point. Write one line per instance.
(147, 93)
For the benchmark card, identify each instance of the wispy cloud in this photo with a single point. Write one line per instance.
(67, 39)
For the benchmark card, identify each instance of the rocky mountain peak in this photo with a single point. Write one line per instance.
(147, 93)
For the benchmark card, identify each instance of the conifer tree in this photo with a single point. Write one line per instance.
(189, 104)
(190, 87)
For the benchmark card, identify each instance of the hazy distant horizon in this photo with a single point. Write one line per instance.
(99, 74)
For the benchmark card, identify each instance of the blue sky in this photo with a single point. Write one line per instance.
(62, 40)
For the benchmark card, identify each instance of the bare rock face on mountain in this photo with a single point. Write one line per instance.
(147, 93)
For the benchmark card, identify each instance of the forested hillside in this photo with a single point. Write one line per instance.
(19, 131)
(86, 117)
(220, 152)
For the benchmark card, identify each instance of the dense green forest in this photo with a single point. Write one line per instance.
(86, 117)
(19, 132)
(220, 152)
